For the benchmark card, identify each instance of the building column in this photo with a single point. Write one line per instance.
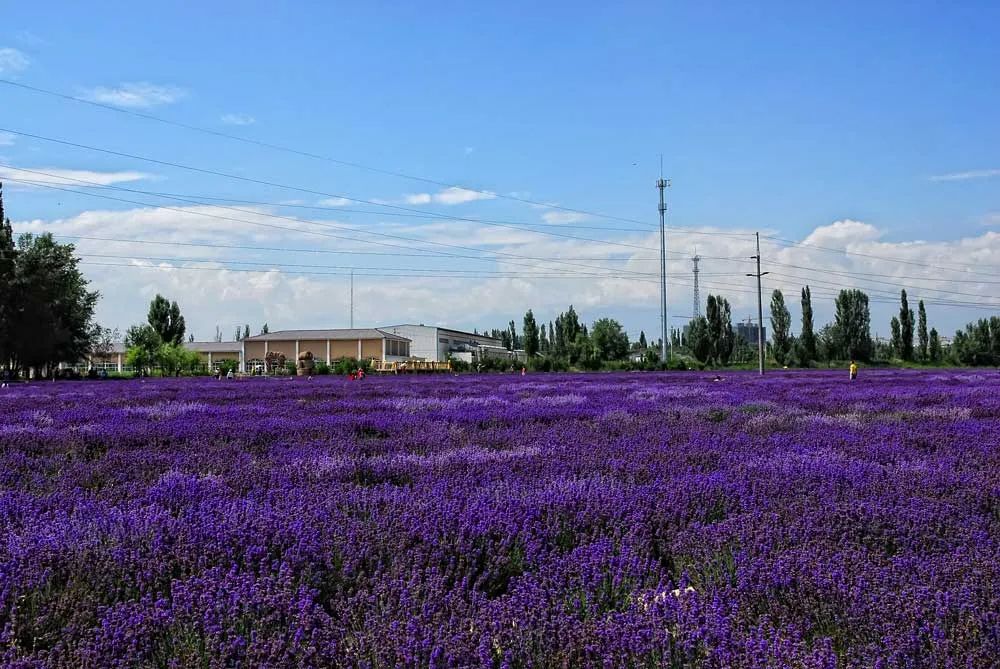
(119, 363)
(359, 349)
(328, 361)
(383, 348)
(210, 361)
(296, 351)
(243, 356)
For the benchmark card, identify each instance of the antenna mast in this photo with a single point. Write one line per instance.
(662, 183)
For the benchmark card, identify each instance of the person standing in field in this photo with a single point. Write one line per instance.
(854, 370)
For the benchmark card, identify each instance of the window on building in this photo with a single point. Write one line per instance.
(255, 366)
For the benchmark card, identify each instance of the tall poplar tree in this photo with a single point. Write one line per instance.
(905, 327)
(922, 338)
(531, 343)
(165, 317)
(781, 322)
(807, 339)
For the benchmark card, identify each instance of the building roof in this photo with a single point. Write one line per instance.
(442, 329)
(200, 346)
(342, 333)
(213, 346)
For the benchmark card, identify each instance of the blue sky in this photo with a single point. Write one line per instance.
(781, 117)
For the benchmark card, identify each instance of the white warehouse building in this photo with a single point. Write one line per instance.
(440, 344)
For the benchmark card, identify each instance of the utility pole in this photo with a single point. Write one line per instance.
(697, 290)
(662, 183)
(760, 310)
(352, 299)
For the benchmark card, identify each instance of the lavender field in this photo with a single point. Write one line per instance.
(633, 520)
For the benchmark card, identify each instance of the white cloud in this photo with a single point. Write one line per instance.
(563, 217)
(335, 202)
(469, 150)
(842, 234)
(450, 195)
(965, 176)
(7, 139)
(137, 95)
(62, 177)
(459, 195)
(220, 295)
(12, 60)
(238, 119)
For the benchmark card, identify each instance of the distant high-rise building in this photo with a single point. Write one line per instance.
(747, 331)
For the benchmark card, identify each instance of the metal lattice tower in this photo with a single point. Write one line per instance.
(697, 291)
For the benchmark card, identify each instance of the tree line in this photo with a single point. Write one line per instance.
(567, 342)
(848, 337)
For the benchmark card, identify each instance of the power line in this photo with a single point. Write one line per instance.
(444, 272)
(368, 212)
(954, 268)
(285, 249)
(883, 291)
(307, 154)
(314, 232)
(379, 274)
(245, 211)
(890, 276)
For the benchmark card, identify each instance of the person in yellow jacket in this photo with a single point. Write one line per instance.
(854, 370)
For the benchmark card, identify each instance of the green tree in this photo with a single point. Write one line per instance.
(584, 352)
(995, 338)
(720, 328)
(49, 311)
(142, 343)
(166, 319)
(978, 344)
(8, 252)
(173, 358)
(807, 340)
(828, 341)
(905, 328)
(699, 341)
(263, 329)
(531, 340)
(934, 347)
(246, 330)
(512, 335)
(781, 322)
(896, 337)
(853, 325)
(642, 341)
(609, 339)
(922, 342)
